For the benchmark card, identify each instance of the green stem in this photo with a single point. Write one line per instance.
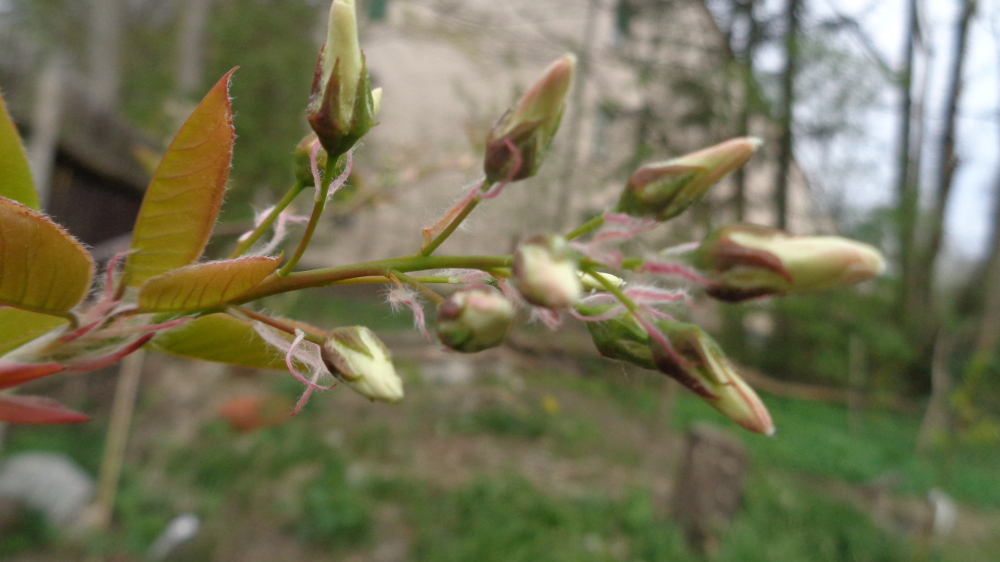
(437, 241)
(632, 263)
(434, 297)
(375, 279)
(265, 225)
(333, 169)
(275, 284)
(586, 227)
(610, 287)
(274, 323)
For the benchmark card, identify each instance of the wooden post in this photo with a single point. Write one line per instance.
(709, 489)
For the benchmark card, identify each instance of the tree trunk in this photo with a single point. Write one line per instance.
(104, 53)
(191, 46)
(924, 270)
(744, 55)
(907, 197)
(787, 113)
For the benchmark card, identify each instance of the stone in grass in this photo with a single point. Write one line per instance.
(49, 483)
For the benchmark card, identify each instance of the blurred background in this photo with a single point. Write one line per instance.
(880, 121)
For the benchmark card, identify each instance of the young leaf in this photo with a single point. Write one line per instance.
(13, 374)
(183, 200)
(204, 284)
(42, 267)
(15, 176)
(220, 338)
(36, 409)
(18, 327)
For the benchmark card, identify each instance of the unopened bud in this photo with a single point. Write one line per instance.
(545, 272)
(529, 126)
(302, 163)
(746, 261)
(356, 356)
(474, 319)
(663, 190)
(696, 361)
(341, 105)
(590, 283)
(621, 337)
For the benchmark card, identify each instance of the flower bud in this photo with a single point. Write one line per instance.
(696, 361)
(474, 319)
(341, 105)
(621, 337)
(590, 283)
(545, 272)
(301, 161)
(356, 356)
(530, 125)
(663, 190)
(746, 261)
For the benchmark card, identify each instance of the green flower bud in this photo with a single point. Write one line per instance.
(530, 125)
(747, 261)
(357, 357)
(474, 319)
(545, 272)
(590, 283)
(696, 361)
(620, 338)
(663, 190)
(341, 106)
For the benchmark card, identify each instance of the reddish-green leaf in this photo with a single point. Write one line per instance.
(15, 176)
(13, 374)
(183, 200)
(36, 409)
(42, 267)
(204, 284)
(18, 327)
(220, 338)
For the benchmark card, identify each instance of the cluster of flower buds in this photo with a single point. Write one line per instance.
(474, 318)
(342, 105)
(518, 142)
(356, 356)
(663, 190)
(746, 261)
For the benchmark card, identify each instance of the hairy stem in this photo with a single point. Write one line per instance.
(454, 224)
(433, 296)
(333, 169)
(586, 227)
(265, 225)
(275, 284)
(273, 322)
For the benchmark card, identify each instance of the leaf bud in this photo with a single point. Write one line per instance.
(357, 357)
(746, 261)
(696, 361)
(341, 106)
(474, 319)
(529, 126)
(545, 272)
(621, 337)
(663, 190)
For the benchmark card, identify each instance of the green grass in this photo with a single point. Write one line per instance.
(509, 520)
(815, 438)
